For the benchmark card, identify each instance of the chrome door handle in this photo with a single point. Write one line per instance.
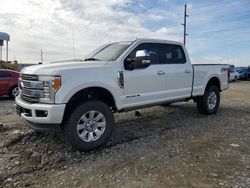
(160, 73)
(187, 71)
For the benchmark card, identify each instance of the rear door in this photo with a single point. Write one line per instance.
(5, 80)
(179, 72)
(147, 85)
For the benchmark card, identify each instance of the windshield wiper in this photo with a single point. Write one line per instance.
(91, 59)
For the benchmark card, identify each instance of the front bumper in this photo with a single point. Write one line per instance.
(38, 113)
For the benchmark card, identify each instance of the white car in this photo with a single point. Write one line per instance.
(81, 97)
(234, 75)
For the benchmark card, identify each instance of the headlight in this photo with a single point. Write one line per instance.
(51, 85)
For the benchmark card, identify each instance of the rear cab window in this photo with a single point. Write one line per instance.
(173, 54)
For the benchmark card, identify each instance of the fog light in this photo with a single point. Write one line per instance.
(41, 113)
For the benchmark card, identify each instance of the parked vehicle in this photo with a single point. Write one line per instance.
(243, 73)
(81, 97)
(248, 69)
(234, 75)
(231, 67)
(9, 83)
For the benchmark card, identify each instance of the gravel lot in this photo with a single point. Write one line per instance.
(171, 146)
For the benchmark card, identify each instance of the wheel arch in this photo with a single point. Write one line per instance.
(214, 80)
(90, 93)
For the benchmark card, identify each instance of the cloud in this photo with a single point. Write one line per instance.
(49, 25)
(218, 29)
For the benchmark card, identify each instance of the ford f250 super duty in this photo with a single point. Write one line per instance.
(80, 97)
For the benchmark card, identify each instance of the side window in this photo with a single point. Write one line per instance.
(173, 54)
(4, 74)
(152, 48)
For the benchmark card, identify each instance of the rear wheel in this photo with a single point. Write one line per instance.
(89, 126)
(209, 102)
(14, 92)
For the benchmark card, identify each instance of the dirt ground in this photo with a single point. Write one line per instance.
(171, 146)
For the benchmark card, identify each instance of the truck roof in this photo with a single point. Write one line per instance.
(158, 40)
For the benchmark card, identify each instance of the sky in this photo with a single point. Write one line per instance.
(219, 31)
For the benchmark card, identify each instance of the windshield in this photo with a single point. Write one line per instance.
(110, 52)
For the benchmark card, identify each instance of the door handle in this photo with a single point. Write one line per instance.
(187, 71)
(160, 73)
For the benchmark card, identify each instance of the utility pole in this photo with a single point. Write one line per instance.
(185, 25)
(7, 51)
(41, 56)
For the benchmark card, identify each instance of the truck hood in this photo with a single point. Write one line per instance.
(57, 68)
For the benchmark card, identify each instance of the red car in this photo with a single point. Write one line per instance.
(9, 83)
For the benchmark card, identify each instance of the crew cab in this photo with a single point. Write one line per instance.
(80, 97)
(9, 83)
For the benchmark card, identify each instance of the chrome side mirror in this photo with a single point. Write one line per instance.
(142, 53)
(141, 60)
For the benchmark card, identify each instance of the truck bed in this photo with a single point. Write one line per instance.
(202, 74)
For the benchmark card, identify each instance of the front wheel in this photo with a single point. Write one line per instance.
(89, 126)
(210, 101)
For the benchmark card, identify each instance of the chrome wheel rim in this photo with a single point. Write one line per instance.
(91, 126)
(15, 92)
(212, 100)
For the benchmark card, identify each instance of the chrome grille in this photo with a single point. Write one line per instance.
(26, 84)
(29, 99)
(26, 92)
(30, 87)
(29, 77)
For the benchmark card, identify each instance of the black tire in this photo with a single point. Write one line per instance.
(70, 127)
(202, 102)
(11, 92)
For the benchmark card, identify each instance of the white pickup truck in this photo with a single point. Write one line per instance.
(80, 97)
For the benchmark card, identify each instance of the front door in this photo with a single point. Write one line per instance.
(146, 85)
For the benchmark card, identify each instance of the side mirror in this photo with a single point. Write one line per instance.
(141, 60)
